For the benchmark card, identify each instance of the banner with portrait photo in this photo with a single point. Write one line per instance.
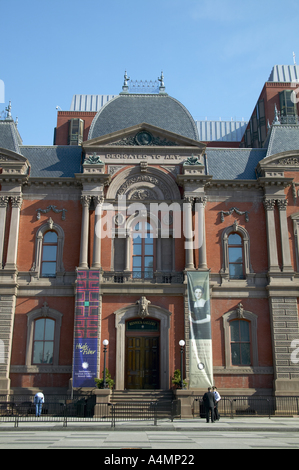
(201, 362)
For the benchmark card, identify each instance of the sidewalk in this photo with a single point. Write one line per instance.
(275, 424)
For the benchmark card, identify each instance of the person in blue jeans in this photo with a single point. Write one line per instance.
(39, 400)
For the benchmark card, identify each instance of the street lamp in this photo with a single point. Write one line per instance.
(105, 343)
(182, 344)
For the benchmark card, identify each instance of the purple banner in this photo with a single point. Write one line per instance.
(86, 329)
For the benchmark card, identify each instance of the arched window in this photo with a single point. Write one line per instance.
(235, 256)
(48, 260)
(43, 337)
(240, 343)
(43, 342)
(143, 251)
(49, 254)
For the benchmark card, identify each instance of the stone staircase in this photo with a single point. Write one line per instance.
(142, 404)
(124, 396)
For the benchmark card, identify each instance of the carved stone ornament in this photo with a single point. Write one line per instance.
(142, 194)
(85, 200)
(231, 211)
(151, 180)
(48, 209)
(289, 161)
(143, 304)
(269, 204)
(193, 160)
(145, 138)
(240, 311)
(4, 201)
(50, 223)
(282, 204)
(16, 201)
(45, 310)
(93, 160)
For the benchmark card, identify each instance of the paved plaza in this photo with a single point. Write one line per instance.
(137, 438)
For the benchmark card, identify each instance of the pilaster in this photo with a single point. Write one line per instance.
(285, 328)
(85, 201)
(12, 250)
(7, 311)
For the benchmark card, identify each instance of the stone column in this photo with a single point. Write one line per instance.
(3, 208)
(200, 233)
(12, 250)
(285, 244)
(159, 252)
(127, 254)
(85, 201)
(269, 205)
(188, 232)
(96, 263)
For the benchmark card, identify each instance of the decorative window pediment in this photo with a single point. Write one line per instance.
(44, 252)
(235, 337)
(231, 258)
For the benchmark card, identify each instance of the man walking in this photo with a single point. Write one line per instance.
(209, 402)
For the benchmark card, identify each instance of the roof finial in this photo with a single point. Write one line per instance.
(162, 86)
(294, 58)
(8, 109)
(126, 79)
(276, 115)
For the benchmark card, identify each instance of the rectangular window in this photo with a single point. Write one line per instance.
(43, 344)
(240, 343)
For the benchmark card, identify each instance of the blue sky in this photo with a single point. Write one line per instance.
(215, 54)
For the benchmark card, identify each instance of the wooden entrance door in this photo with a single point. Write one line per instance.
(142, 362)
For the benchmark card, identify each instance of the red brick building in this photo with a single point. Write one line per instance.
(103, 234)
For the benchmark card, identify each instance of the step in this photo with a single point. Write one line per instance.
(141, 395)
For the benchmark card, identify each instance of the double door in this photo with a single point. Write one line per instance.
(142, 362)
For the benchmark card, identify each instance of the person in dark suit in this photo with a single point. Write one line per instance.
(209, 402)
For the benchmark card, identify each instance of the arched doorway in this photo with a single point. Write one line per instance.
(122, 316)
(142, 361)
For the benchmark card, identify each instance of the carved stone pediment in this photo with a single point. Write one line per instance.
(275, 165)
(13, 163)
(142, 135)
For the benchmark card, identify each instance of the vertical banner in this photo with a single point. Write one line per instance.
(86, 328)
(201, 363)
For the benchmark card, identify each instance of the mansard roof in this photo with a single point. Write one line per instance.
(9, 136)
(283, 137)
(233, 164)
(53, 161)
(129, 110)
